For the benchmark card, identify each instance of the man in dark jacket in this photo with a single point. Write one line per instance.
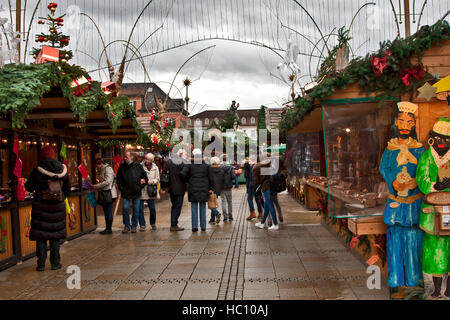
(177, 187)
(48, 213)
(131, 178)
(226, 195)
(199, 185)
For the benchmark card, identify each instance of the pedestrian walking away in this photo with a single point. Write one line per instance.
(176, 186)
(196, 174)
(131, 178)
(227, 195)
(150, 192)
(51, 184)
(237, 172)
(106, 185)
(216, 174)
(262, 181)
(251, 190)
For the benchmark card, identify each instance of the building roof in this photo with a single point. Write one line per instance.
(149, 90)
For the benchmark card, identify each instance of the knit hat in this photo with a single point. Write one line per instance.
(442, 126)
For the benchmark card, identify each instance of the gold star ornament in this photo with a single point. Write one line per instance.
(427, 91)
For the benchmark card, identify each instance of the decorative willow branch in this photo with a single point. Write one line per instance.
(198, 52)
(108, 62)
(122, 64)
(29, 28)
(314, 21)
(139, 56)
(395, 17)
(421, 13)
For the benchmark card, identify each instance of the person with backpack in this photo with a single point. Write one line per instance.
(227, 195)
(237, 172)
(106, 185)
(131, 178)
(51, 185)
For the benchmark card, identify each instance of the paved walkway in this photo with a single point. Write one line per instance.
(229, 261)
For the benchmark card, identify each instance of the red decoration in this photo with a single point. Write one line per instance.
(18, 166)
(354, 242)
(20, 191)
(112, 114)
(418, 72)
(378, 64)
(83, 171)
(47, 54)
(117, 159)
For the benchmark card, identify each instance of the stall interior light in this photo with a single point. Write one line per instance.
(347, 130)
(4, 141)
(34, 142)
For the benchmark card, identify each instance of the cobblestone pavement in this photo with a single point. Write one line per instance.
(229, 261)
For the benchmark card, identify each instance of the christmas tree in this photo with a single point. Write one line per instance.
(55, 38)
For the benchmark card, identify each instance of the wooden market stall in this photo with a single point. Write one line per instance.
(355, 124)
(50, 123)
(305, 159)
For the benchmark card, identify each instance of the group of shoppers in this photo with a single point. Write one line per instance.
(139, 183)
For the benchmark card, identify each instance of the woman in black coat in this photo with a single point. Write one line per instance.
(196, 174)
(48, 213)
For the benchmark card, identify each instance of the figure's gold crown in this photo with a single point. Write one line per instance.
(406, 106)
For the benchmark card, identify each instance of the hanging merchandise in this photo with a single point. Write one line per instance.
(83, 171)
(20, 191)
(70, 211)
(63, 151)
(3, 235)
(18, 166)
(91, 199)
(28, 224)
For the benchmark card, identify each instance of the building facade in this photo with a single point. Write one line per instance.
(142, 96)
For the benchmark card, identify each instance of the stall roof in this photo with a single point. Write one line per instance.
(311, 123)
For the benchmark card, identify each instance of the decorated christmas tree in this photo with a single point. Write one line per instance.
(54, 38)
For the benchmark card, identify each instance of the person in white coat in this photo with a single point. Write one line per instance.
(152, 171)
(106, 182)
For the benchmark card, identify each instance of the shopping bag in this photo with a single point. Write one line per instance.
(212, 201)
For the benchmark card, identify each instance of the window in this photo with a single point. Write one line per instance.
(243, 120)
(190, 122)
(216, 120)
(206, 121)
(198, 122)
(133, 103)
(252, 120)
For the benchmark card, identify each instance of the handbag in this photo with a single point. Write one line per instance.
(212, 201)
(152, 190)
(165, 178)
(104, 197)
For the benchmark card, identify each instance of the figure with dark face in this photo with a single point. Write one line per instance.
(433, 175)
(398, 168)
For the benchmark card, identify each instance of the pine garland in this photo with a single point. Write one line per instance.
(388, 84)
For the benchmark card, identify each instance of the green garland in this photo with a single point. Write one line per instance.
(360, 71)
(21, 87)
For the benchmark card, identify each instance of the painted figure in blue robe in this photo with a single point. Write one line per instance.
(398, 168)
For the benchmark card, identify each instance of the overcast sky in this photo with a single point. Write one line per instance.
(232, 70)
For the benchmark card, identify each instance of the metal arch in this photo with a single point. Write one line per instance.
(199, 40)
(357, 12)
(421, 13)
